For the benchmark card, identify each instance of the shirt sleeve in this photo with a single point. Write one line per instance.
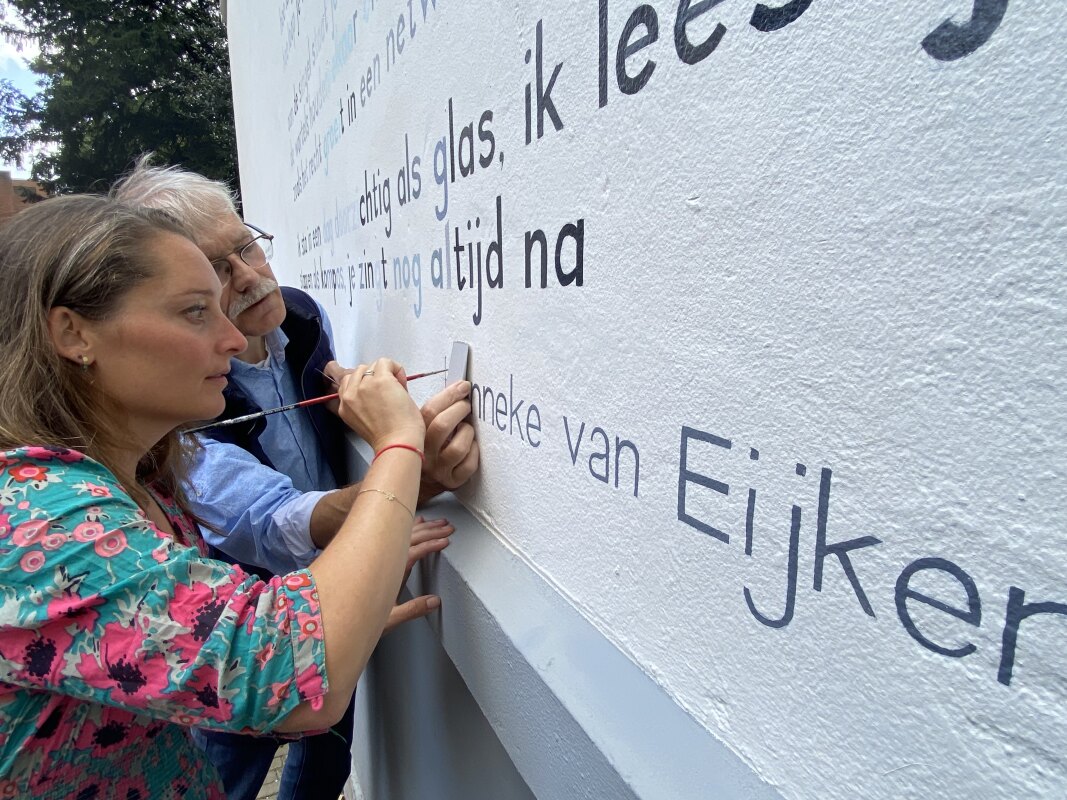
(260, 517)
(98, 604)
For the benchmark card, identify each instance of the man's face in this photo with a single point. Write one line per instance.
(252, 299)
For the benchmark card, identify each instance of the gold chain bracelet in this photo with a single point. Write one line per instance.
(389, 496)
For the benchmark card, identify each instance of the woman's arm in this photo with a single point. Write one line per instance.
(358, 577)
(359, 574)
(102, 606)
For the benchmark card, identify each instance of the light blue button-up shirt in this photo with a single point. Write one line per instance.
(264, 513)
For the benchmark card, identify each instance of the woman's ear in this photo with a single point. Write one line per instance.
(67, 329)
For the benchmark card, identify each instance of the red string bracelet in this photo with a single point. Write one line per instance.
(412, 448)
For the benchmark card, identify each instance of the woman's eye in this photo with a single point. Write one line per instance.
(196, 312)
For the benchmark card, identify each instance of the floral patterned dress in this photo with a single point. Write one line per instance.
(115, 637)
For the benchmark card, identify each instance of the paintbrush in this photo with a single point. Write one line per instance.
(313, 401)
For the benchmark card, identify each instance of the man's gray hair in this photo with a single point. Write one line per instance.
(196, 202)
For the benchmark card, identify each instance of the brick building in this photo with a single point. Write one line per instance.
(16, 194)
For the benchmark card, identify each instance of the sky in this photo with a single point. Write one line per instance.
(13, 67)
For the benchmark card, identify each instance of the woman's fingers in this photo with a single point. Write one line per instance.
(375, 404)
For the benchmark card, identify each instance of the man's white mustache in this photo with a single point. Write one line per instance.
(244, 301)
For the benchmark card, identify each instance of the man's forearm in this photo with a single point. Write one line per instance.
(332, 509)
(330, 512)
(429, 489)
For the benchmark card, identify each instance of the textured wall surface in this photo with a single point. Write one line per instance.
(783, 416)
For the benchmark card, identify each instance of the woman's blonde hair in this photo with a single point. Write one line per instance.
(83, 252)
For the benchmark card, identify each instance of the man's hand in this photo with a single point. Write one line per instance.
(412, 609)
(333, 373)
(451, 451)
(426, 537)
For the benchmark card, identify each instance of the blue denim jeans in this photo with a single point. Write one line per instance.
(316, 767)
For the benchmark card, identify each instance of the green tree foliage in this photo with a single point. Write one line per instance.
(119, 78)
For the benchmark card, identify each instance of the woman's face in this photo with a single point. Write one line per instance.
(163, 356)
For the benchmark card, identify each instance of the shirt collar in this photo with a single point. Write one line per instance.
(275, 342)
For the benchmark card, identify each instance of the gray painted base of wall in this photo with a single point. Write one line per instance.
(509, 692)
(420, 733)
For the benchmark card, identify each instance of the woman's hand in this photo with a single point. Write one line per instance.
(374, 402)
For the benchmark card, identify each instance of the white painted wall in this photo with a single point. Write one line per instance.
(837, 245)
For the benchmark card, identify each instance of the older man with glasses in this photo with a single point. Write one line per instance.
(272, 493)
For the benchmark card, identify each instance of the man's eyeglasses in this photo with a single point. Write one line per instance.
(255, 253)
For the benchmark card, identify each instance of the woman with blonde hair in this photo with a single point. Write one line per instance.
(116, 632)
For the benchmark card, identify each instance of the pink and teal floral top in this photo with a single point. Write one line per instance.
(115, 638)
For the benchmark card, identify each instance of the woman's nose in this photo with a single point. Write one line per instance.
(233, 341)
